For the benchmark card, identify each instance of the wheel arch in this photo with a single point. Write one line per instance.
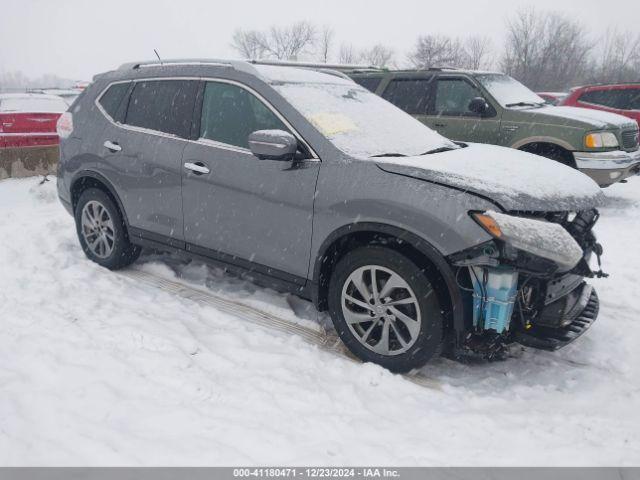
(419, 250)
(89, 179)
(550, 149)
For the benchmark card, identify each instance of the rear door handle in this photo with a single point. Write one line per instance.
(439, 124)
(198, 168)
(112, 146)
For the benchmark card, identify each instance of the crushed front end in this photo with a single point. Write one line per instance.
(527, 285)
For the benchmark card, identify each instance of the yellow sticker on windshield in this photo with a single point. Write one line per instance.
(331, 124)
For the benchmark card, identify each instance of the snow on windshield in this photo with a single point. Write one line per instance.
(506, 90)
(358, 122)
(33, 104)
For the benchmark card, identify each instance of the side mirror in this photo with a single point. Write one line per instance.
(478, 105)
(273, 145)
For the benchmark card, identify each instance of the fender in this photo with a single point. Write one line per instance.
(420, 244)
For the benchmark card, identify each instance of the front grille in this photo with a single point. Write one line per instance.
(630, 139)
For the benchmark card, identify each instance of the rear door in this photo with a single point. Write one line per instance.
(239, 209)
(142, 154)
(451, 114)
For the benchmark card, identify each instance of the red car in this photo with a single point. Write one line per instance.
(29, 119)
(622, 98)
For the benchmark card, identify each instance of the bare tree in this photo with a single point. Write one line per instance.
(437, 50)
(348, 54)
(618, 58)
(478, 50)
(281, 43)
(325, 43)
(545, 50)
(377, 56)
(248, 43)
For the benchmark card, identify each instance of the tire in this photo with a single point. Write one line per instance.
(409, 344)
(103, 235)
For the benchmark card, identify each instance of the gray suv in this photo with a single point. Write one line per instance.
(306, 182)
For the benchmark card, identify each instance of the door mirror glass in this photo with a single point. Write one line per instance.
(273, 145)
(478, 105)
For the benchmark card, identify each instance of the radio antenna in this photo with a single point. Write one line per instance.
(157, 55)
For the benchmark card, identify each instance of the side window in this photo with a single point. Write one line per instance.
(163, 105)
(111, 99)
(231, 113)
(370, 83)
(453, 96)
(411, 95)
(606, 98)
(634, 104)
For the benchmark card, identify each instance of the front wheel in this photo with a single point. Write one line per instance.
(102, 231)
(385, 309)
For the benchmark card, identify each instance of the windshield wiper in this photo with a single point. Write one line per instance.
(389, 155)
(439, 150)
(524, 104)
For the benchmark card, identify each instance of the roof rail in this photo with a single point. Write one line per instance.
(248, 65)
(175, 61)
(324, 66)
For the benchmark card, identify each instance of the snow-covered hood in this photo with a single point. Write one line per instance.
(591, 119)
(515, 180)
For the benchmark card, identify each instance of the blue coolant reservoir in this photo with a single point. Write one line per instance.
(494, 294)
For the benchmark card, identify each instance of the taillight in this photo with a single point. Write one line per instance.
(64, 127)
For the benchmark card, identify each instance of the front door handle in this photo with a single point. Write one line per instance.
(439, 124)
(112, 146)
(198, 168)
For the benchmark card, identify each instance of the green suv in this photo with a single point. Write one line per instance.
(494, 108)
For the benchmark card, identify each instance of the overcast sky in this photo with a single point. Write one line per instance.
(76, 39)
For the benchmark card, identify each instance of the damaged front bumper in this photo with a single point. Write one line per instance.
(524, 293)
(562, 321)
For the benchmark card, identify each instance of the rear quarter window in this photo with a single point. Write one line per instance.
(163, 105)
(370, 83)
(112, 98)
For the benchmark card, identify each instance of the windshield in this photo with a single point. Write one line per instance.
(360, 123)
(509, 92)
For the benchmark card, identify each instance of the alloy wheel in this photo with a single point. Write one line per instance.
(97, 229)
(381, 310)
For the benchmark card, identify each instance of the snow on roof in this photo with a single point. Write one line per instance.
(32, 103)
(273, 73)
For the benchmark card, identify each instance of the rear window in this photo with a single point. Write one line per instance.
(411, 95)
(163, 105)
(111, 99)
(33, 104)
(370, 83)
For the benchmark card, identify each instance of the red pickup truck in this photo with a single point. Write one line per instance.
(622, 98)
(29, 119)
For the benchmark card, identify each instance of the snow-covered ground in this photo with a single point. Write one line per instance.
(97, 368)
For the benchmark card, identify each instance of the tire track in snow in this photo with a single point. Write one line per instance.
(326, 341)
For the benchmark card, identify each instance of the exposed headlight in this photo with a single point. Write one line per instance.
(600, 140)
(541, 238)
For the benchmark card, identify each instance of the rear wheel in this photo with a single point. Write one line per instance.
(385, 309)
(102, 232)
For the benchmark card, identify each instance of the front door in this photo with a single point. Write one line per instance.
(246, 211)
(451, 116)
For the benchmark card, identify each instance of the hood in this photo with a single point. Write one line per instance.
(590, 119)
(513, 179)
